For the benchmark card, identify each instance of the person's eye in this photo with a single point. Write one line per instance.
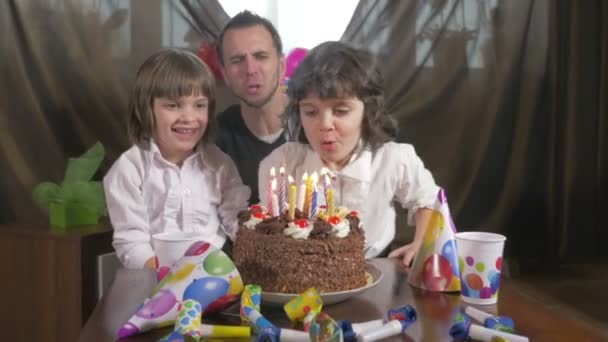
(201, 105)
(236, 60)
(170, 105)
(309, 112)
(341, 111)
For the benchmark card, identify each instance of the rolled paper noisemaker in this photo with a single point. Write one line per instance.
(275, 334)
(308, 301)
(224, 331)
(462, 329)
(391, 328)
(188, 321)
(323, 328)
(251, 296)
(308, 320)
(268, 331)
(350, 331)
(405, 313)
(500, 323)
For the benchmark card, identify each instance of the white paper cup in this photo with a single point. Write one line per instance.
(171, 246)
(480, 261)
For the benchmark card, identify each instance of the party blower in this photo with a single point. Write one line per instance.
(501, 323)
(188, 326)
(266, 331)
(398, 321)
(463, 329)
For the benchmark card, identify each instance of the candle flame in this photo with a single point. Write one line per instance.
(273, 184)
(282, 171)
(315, 177)
(272, 171)
(290, 179)
(304, 177)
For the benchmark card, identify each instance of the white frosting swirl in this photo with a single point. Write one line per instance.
(252, 222)
(297, 232)
(341, 229)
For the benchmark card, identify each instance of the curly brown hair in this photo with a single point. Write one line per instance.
(338, 70)
(170, 73)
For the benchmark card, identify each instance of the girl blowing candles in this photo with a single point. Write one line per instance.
(172, 178)
(336, 119)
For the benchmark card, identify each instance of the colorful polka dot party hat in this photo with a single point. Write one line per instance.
(204, 274)
(436, 265)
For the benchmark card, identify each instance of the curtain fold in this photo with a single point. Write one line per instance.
(505, 101)
(576, 161)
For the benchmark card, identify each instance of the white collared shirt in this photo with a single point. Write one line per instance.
(368, 184)
(146, 194)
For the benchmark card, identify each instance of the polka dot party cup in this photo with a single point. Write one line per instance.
(480, 261)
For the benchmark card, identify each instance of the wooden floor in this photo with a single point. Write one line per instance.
(581, 289)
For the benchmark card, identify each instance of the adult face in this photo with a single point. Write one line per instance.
(332, 127)
(253, 68)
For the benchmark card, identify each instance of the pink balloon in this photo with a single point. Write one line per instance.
(159, 305)
(293, 59)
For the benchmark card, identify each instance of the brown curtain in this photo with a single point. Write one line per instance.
(504, 100)
(576, 159)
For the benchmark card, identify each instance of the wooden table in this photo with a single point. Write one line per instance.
(48, 279)
(535, 319)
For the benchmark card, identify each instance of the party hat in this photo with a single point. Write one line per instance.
(204, 274)
(436, 265)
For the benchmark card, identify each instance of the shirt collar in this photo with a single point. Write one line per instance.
(198, 153)
(359, 167)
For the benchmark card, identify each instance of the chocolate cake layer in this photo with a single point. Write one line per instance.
(280, 263)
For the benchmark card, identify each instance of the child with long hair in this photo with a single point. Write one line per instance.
(337, 120)
(172, 178)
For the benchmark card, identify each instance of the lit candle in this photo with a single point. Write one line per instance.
(302, 192)
(292, 199)
(314, 195)
(308, 197)
(275, 199)
(329, 199)
(269, 195)
(313, 202)
(282, 189)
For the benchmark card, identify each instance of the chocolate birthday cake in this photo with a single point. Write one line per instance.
(290, 256)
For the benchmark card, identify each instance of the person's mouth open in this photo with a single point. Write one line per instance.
(184, 133)
(253, 89)
(328, 145)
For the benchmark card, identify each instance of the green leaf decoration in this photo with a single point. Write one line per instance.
(44, 193)
(85, 193)
(84, 167)
(78, 200)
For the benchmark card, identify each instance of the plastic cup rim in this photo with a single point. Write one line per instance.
(480, 237)
(175, 236)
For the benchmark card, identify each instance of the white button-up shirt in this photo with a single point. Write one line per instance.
(146, 194)
(369, 184)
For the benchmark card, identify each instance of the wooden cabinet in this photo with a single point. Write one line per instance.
(48, 282)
